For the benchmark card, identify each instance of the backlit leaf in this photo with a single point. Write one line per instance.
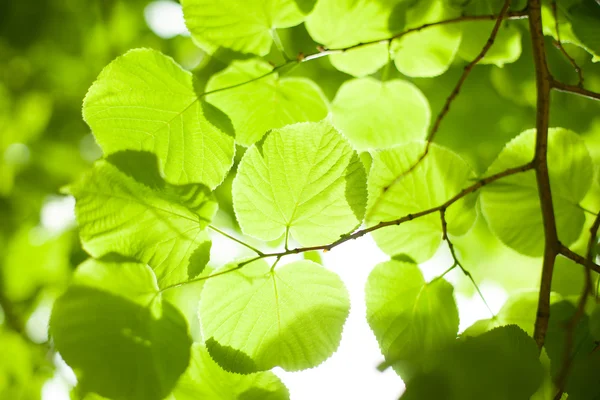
(511, 206)
(124, 207)
(267, 103)
(304, 179)
(245, 26)
(410, 318)
(144, 101)
(255, 318)
(439, 177)
(122, 341)
(373, 114)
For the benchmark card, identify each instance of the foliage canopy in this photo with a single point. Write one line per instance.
(289, 128)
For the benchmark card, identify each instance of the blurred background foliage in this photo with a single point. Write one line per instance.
(52, 50)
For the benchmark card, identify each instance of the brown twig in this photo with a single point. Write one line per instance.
(563, 87)
(457, 262)
(572, 324)
(571, 255)
(559, 46)
(446, 108)
(361, 232)
(543, 86)
(324, 52)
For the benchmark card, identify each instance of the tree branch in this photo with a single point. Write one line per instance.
(471, 189)
(457, 263)
(361, 232)
(324, 52)
(571, 255)
(563, 87)
(543, 85)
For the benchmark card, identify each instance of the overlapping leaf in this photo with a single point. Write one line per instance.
(303, 179)
(123, 206)
(394, 194)
(204, 379)
(245, 26)
(123, 342)
(373, 114)
(341, 23)
(255, 318)
(579, 24)
(144, 101)
(500, 364)
(264, 104)
(511, 206)
(410, 318)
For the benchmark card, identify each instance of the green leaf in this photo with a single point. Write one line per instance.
(255, 318)
(304, 179)
(343, 23)
(123, 342)
(361, 61)
(124, 207)
(428, 52)
(411, 319)
(17, 367)
(583, 344)
(35, 258)
(585, 21)
(267, 103)
(374, 114)
(578, 24)
(441, 175)
(500, 364)
(244, 26)
(571, 172)
(204, 379)
(144, 101)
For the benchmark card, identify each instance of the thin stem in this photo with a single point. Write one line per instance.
(323, 52)
(571, 255)
(543, 86)
(279, 44)
(287, 237)
(586, 292)
(275, 263)
(204, 278)
(453, 95)
(563, 87)
(443, 274)
(409, 217)
(456, 260)
(513, 15)
(560, 47)
(254, 249)
(361, 232)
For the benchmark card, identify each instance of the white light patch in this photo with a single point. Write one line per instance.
(472, 309)
(55, 389)
(37, 324)
(165, 19)
(58, 213)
